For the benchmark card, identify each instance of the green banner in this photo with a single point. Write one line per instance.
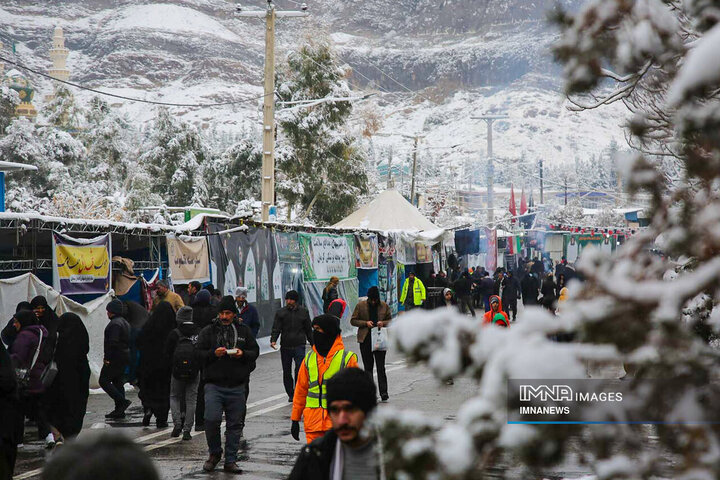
(325, 256)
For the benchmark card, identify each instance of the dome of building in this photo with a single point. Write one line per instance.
(19, 82)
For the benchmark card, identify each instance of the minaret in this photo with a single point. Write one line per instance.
(58, 55)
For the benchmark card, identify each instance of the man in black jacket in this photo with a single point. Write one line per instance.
(530, 289)
(350, 399)
(463, 287)
(292, 323)
(116, 358)
(204, 313)
(510, 293)
(227, 350)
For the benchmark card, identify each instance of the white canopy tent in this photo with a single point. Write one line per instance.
(388, 211)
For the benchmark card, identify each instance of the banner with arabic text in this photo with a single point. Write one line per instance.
(81, 265)
(325, 256)
(189, 259)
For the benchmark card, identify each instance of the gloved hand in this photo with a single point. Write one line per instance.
(295, 430)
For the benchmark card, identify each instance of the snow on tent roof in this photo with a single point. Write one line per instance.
(388, 211)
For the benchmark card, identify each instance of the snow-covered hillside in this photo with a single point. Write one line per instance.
(433, 65)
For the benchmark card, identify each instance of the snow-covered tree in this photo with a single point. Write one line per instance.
(653, 313)
(63, 111)
(234, 176)
(9, 99)
(111, 141)
(325, 172)
(53, 151)
(173, 159)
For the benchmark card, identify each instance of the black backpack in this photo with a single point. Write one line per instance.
(185, 364)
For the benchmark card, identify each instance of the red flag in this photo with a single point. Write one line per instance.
(513, 210)
(523, 203)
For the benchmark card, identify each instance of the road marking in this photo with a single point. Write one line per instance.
(267, 400)
(171, 441)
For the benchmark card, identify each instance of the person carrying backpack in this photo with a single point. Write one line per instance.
(180, 350)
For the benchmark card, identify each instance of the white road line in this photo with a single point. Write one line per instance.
(171, 441)
(267, 400)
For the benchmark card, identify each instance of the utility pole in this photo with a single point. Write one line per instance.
(489, 120)
(565, 189)
(390, 179)
(414, 168)
(416, 139)
(541, 183)
(268, 160)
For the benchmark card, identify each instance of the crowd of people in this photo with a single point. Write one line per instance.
(191, 365)
(534, 282)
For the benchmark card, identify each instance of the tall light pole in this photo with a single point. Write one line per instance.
(416, 139)
(490, 119)
(268, 159)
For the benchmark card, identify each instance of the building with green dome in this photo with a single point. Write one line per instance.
(20, 83)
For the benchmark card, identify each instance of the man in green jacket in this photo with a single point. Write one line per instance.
(417, 289)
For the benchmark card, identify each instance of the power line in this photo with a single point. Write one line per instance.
(326, 68)
(396, 81)
(122, 97)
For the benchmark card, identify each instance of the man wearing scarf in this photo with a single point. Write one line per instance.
(228, 351)
(327, 357)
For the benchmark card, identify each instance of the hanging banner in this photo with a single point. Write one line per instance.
(436, 261)
(347, 290)
(386, 248)
(404, 251)
(325, 256)
(288, 247)
(387, 284)
(189, 259)
(249, 259)
(80, 265)
(366, 251)
(423, 253)
(488, 244)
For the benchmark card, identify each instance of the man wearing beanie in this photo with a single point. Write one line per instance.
(116, 358)
(227, 350)
(327, 357)
(344, 452)
(292, 325)
(180, 350)
(369, 314)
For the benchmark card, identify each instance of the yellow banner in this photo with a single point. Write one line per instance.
(84, 260)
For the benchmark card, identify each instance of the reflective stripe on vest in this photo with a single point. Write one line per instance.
(316, 387)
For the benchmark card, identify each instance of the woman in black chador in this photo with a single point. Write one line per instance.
(68, 394)
(155, 369)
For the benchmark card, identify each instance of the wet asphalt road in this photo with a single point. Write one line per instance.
(270, 451)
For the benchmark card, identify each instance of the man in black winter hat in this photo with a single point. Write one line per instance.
(292, 325)
(350, 399)
(228, 351)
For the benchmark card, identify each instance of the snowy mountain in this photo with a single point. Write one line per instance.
(433, 64)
